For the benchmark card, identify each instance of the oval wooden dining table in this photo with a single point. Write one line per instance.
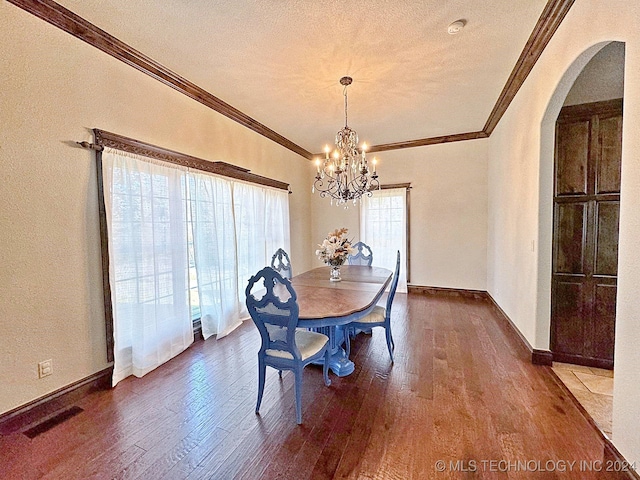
(326, 306)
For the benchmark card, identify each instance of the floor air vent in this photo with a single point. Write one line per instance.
(52, 422)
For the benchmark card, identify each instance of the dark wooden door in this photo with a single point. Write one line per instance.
(585, 233)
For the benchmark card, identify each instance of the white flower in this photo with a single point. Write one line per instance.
(335, 249)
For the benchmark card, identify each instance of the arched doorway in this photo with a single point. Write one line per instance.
(579, 204)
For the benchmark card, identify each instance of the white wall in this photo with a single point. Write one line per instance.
(601, 79)
(448, 211)
(53, 89)
(520, 181)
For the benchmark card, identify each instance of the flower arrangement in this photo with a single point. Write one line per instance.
(335, 249)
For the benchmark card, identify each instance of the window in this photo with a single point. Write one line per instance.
(384, 226)
(194, 299)
(182, 244)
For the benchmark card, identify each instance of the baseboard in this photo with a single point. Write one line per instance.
(580, 360)
(610, 453)
(541, 357)
(17, 419)
(612, 457)
(537, 357)
(457, 292)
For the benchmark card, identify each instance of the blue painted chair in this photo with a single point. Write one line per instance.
(363, 257)
(280, 263)
(379, 317)
(274, 309)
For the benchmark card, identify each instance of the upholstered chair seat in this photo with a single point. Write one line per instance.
(376, 316)
(309, 343)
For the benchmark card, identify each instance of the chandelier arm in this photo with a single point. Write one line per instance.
(319, 185)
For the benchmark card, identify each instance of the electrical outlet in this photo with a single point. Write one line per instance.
(45, 368)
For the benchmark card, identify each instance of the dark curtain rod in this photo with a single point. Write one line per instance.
(91, 146)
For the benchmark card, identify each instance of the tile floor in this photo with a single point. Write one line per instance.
(593, 388)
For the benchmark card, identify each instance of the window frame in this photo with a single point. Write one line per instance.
(119, 142)
(407, 187)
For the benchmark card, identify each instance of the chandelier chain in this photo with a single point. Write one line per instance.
(344, 92)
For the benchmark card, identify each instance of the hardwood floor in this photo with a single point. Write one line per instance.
(461, 391)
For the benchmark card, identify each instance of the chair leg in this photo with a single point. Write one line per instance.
(298, 388)
(325, 366)
(390, 344)
(262, 371)
(280, 373)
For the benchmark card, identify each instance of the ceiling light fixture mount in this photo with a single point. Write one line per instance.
(456, 27)
(344, 176)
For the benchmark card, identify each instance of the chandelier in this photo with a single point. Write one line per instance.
(344, 176)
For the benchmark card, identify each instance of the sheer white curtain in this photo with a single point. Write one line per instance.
(236, 228)
(262, 226)
(276, 222)
(249, 208)
(383, 226)
(146, 207)
(214, 243)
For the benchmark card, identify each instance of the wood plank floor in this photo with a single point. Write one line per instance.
(460, 391)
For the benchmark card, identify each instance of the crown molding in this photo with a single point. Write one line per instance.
(549, 21)
(66, 20)
(458, 137)
(55, 14)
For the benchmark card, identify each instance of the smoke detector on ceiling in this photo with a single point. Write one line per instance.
(456, 26)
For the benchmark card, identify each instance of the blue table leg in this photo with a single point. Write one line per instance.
(338, 361)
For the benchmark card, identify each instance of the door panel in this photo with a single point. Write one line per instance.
(610, 144)
(569, 334)
(573, 156)
(571, 225)
(605, 320)
(607, 220)
(585, 236)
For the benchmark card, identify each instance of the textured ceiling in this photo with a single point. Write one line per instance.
(279, 61)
